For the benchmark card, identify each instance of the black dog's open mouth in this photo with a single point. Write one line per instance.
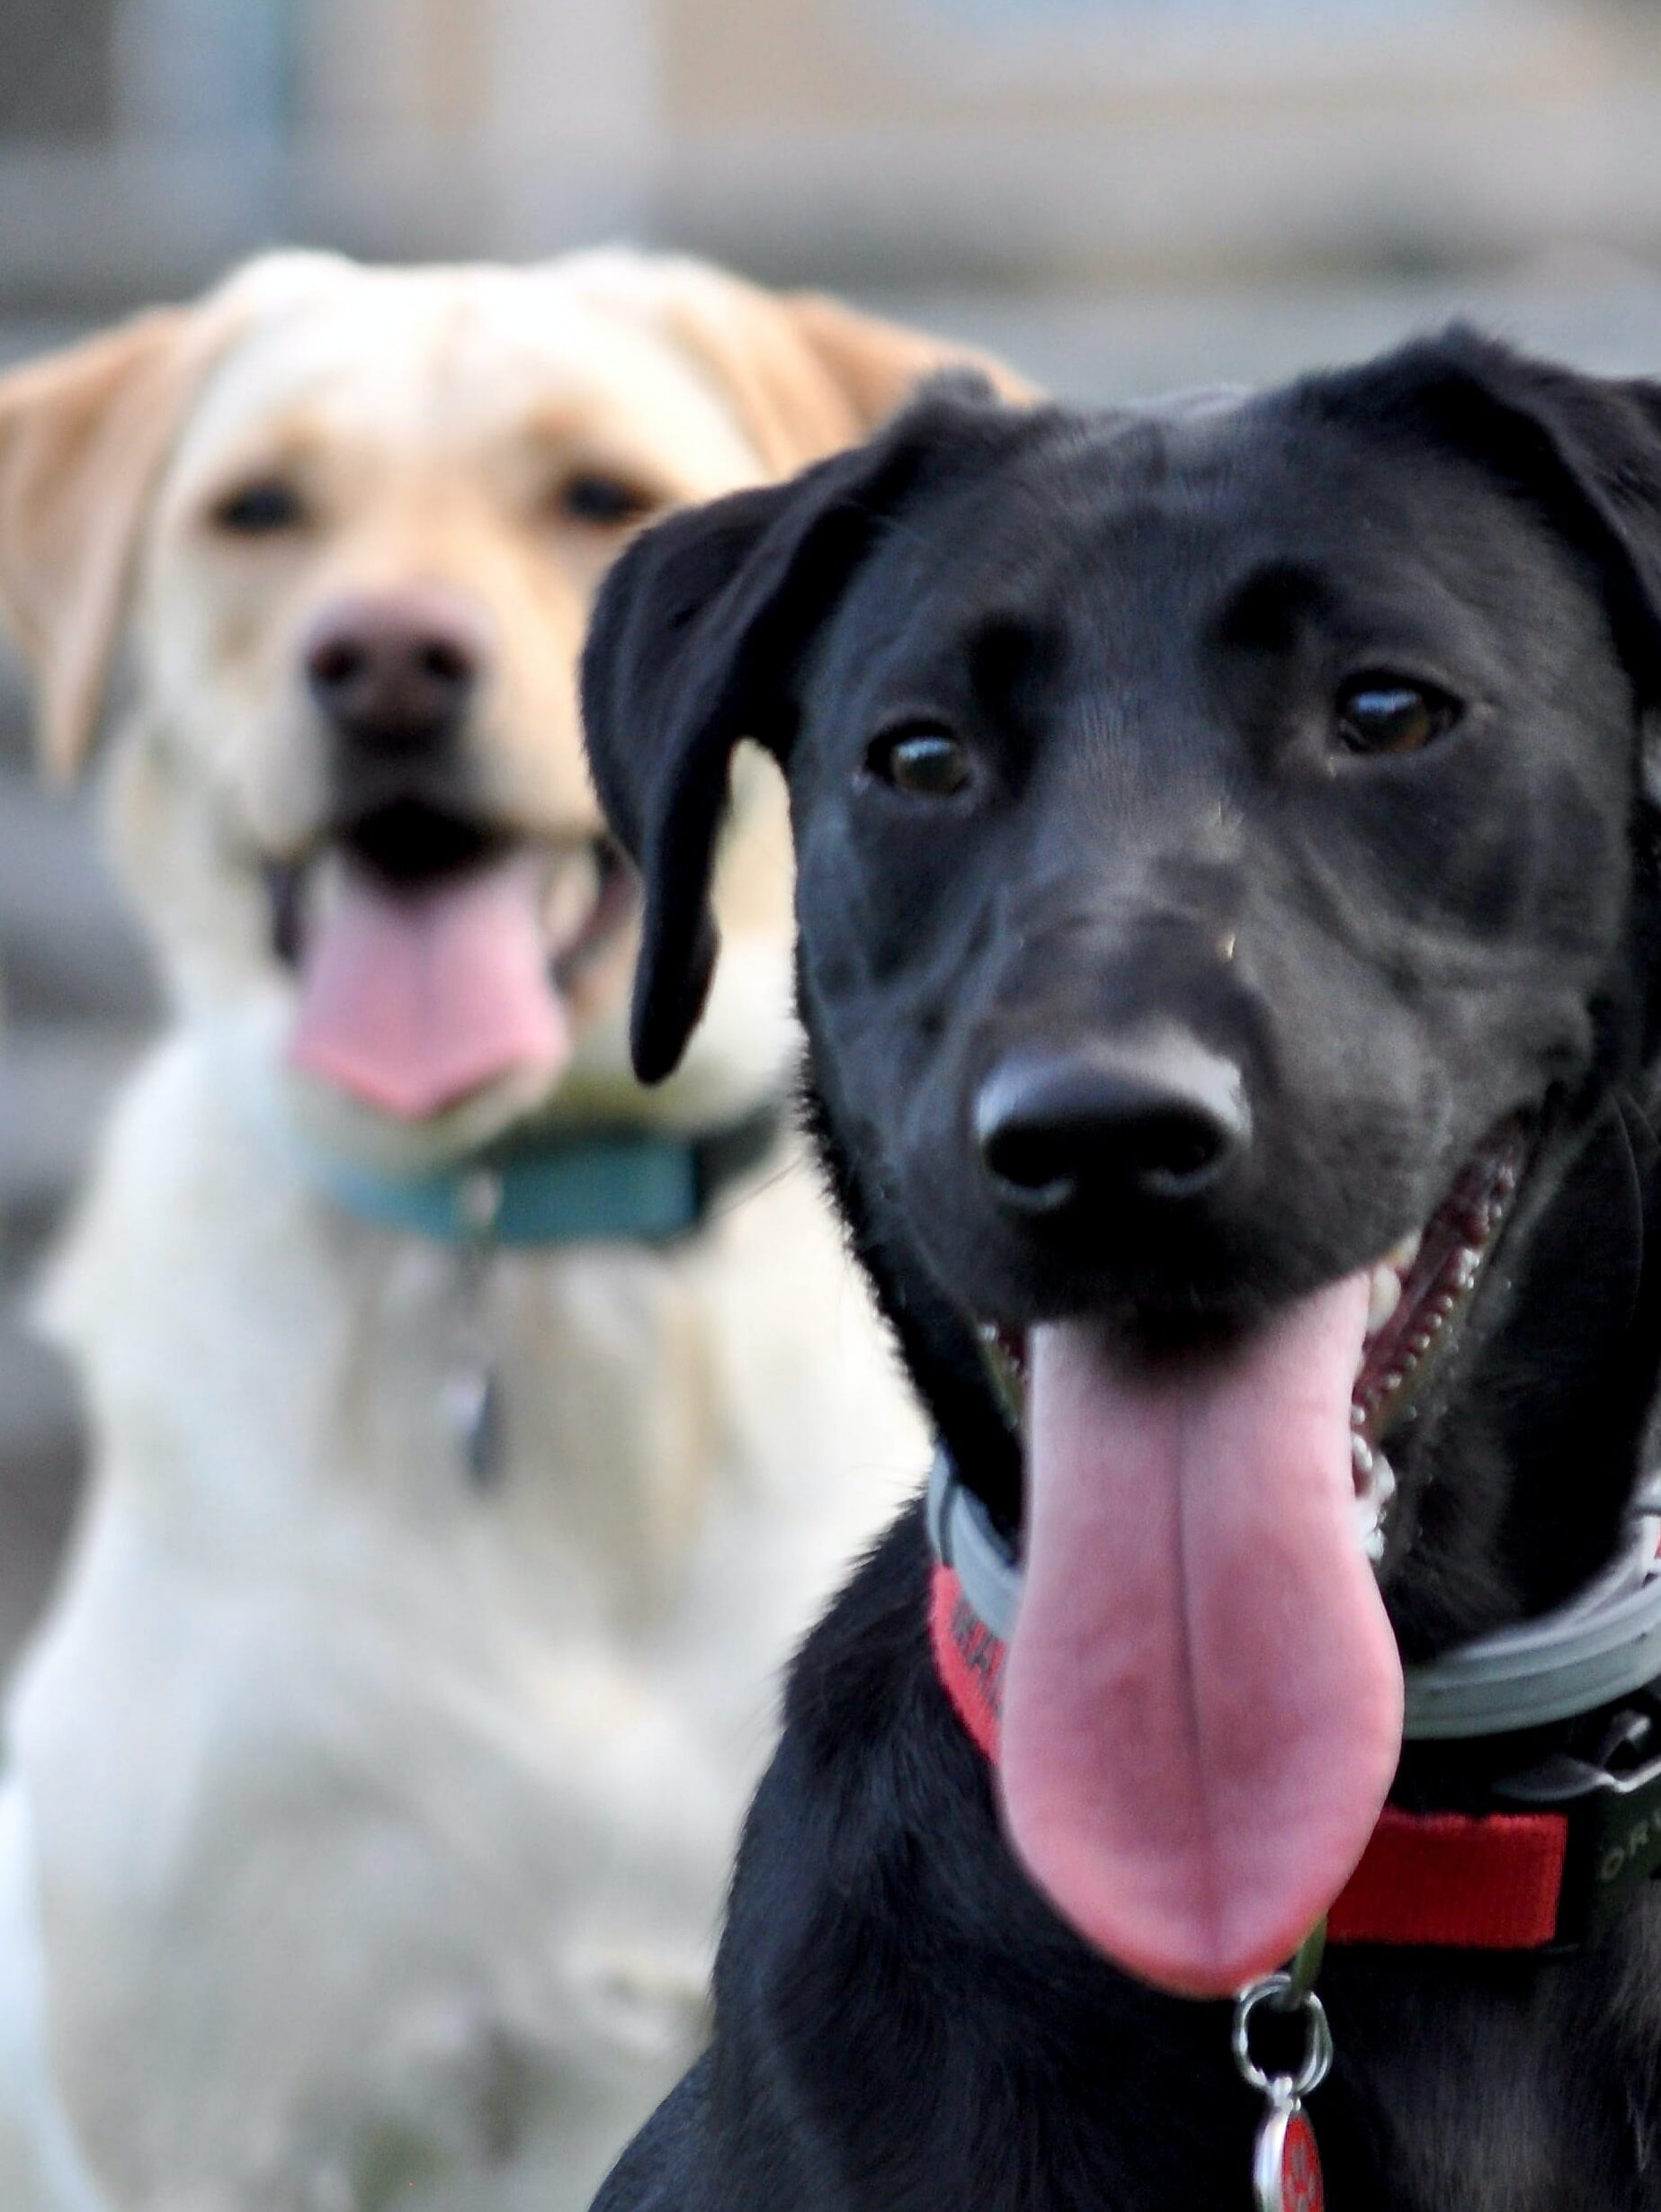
(1418, 1295)
(437, 954)
(1203, 1698)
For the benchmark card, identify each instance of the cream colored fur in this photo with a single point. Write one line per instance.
(363, 1832)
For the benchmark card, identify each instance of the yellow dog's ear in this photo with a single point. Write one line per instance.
(807, 375)
(875, 366)
(82, 436)
(804, 375)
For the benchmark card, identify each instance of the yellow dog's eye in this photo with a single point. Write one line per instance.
(603, 501)
(259, 509)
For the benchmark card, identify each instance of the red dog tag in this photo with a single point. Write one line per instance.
(1286, 2168)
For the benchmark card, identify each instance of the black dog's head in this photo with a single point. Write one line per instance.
(1226, 898)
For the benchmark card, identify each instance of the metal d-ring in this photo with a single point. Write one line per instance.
(1280, 1994)
(472, 1393)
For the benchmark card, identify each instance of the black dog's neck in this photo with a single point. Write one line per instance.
(937, 1347)
(1520, 1486)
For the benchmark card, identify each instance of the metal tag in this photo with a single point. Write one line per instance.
(473, 1405)
(472, 1396)
(1286, 2167)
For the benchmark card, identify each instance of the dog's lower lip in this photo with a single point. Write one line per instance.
(608, 909)
(1436, 1271)
(285, 893)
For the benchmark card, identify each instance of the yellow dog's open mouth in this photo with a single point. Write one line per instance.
(435, 956)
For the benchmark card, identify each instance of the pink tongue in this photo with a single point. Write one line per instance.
(1203, 1703)
(413, 1000)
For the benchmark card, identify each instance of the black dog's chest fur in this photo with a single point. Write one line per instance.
(905, 2026)
(1137, 638)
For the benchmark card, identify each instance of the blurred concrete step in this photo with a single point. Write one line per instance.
(68, 950)
(42, 1450)
(55, 1082)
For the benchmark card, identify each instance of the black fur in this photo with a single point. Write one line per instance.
(1138, 621)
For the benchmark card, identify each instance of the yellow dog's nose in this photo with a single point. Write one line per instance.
(396, 669)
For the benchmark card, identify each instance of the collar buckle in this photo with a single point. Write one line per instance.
(1613, 1806)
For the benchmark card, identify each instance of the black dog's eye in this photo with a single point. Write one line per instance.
(1388, 714)
(925, 763)
(259, 509)
(603, 501)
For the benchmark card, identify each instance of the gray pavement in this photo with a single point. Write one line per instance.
(1599, 309)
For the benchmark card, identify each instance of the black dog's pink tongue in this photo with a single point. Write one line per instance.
(1203, 1703)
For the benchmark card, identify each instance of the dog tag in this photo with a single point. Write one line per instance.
(473, 1393)
(1286, 2165)
(1286, 2172)
(473, 1401)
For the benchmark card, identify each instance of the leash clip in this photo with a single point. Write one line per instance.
(1286, 2161)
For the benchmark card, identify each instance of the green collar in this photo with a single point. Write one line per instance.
(617, 1185)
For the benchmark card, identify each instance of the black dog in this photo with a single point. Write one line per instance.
(1226, 851)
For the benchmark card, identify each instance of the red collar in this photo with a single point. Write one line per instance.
(1492, 1883)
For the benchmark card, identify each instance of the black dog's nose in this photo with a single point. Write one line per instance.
(396, 668)
(1161, 1118)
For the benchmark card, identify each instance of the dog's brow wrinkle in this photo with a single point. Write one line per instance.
(1268, 608)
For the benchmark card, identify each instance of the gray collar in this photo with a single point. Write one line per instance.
(1601, 1647)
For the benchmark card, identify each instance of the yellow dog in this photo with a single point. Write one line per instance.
(369, 1787)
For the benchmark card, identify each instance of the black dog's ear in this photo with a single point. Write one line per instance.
(693, 645)
(1585, 451)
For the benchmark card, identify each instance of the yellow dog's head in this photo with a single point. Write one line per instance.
(338, 529)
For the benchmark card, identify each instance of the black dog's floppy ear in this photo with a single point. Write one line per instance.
(1585, 450)
(695, 640)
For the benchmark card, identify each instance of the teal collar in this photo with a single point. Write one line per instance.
(612, 1186)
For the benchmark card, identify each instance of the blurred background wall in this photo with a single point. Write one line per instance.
(1121, 194)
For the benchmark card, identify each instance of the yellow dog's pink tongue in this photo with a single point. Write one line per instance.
(413, 998)
(1203, 1702)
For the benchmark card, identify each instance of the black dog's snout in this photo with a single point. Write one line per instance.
(1163, 1119)
(397, 669)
